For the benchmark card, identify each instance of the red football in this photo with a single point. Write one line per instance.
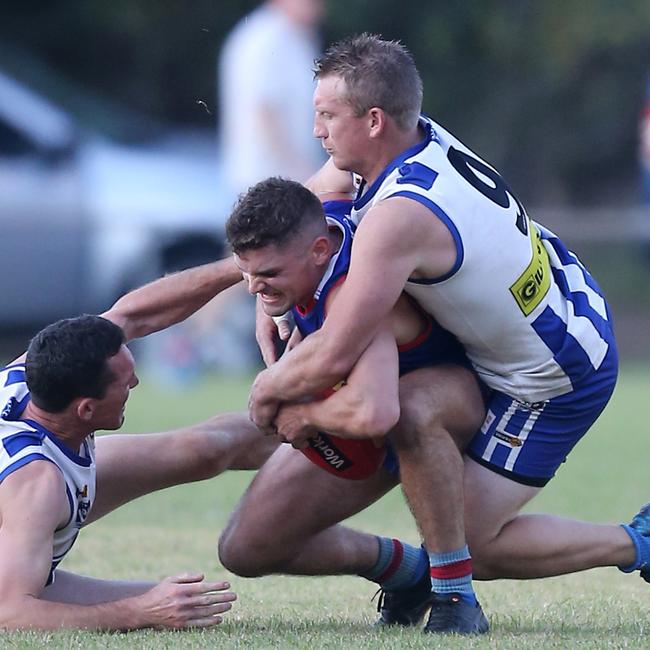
(350, 459)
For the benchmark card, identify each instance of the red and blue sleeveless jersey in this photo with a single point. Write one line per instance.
(310, 318)
(434, 345)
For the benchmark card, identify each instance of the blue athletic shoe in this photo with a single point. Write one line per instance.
(639, 531)
(451, 614)
(405, 607)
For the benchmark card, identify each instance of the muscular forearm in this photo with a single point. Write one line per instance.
(348, 415)
(185, 600)
(74, 589)
(28, 612)
(313, 366)
(171, 299)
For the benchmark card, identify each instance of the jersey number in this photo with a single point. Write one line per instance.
(533, 284)
(468, 166)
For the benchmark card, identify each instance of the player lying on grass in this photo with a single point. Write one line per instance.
(55, 477)
(293, 257)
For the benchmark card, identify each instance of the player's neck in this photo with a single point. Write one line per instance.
(396, 143)
(63, 425)
(335, 237)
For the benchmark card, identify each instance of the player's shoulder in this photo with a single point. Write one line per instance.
(337, 215)
(35, 496)
(338, 209)
(15, 370)
(12, 378)
(38, 479)
(19, 439)
(398, 214)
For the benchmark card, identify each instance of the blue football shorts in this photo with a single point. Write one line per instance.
(528, 442)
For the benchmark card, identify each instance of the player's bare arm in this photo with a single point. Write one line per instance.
(330, 183)
(32, 506)
(397, 239)
(365, 406)
(171, 299)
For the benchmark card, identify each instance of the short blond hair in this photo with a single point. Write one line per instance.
(376, 73)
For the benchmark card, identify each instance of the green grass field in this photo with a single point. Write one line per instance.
(605, 479)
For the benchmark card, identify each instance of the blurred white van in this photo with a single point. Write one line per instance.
(83, 218)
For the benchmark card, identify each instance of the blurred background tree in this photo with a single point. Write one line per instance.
(550, 92)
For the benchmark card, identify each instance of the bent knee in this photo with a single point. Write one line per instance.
(485, 566)
(247, 555)
(486, 557)
(239, 557)
(420, 421)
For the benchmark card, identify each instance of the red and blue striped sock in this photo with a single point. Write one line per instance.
(452, 573)
(399, 565)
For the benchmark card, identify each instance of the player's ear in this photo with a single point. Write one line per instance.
(376, 122)
(321, 250)
(85, 409)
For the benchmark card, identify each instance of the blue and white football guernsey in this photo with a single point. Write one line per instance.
(532, 320)
(24, 441)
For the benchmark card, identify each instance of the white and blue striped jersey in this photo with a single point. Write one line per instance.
(532, 320)
(24, 441)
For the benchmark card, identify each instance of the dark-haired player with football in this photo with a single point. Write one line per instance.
(295, 257)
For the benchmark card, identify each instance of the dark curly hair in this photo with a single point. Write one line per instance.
(272, 212)
(67, 360)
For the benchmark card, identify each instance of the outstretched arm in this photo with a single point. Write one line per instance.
(171, 299)
(32, 506)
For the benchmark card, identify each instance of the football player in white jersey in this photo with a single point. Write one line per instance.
(441, 224)
(55, 477)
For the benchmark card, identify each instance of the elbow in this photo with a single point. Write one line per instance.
(9, 617)
(376, 420)
(133, 328)
(119, 317)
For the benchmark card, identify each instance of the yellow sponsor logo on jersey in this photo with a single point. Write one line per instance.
(533, 284)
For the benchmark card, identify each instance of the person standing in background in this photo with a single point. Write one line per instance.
(643, 222)
(266, 86)
(644, 145)
(266, 121)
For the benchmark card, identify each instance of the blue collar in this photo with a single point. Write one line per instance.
(84, 461)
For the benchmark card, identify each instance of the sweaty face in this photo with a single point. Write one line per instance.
(109, 410)
(280, 277)
(343, 135)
